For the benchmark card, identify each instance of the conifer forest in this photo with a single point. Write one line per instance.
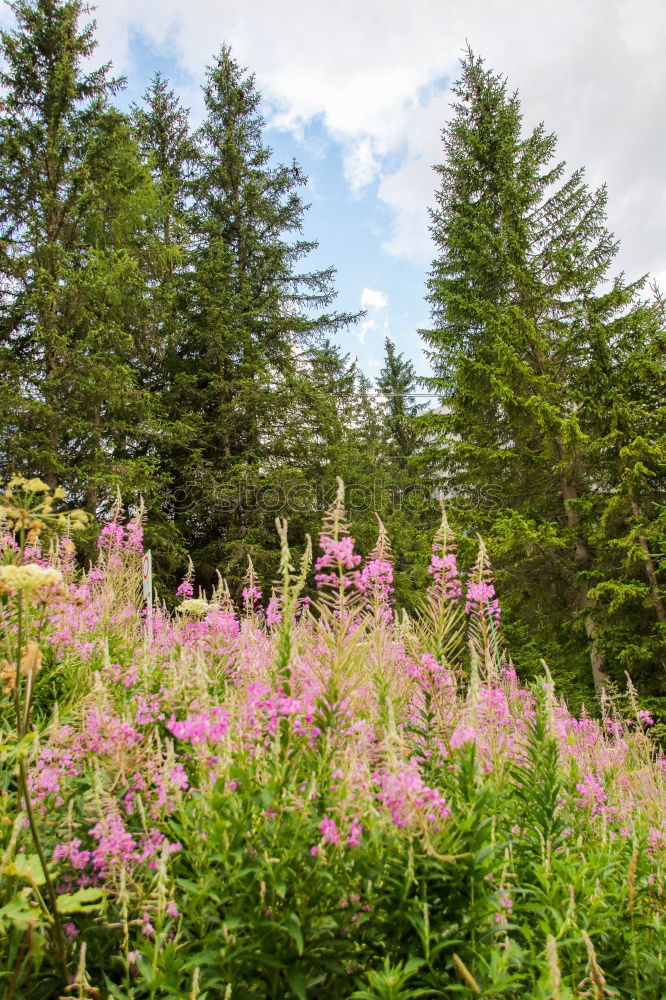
(315, 685)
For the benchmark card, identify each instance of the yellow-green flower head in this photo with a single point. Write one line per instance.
(194, 606)
(35, 486)
(27, 578)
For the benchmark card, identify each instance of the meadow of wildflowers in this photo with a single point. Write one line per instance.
(306, 798)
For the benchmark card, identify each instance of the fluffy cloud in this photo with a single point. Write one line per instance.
(374, 73)
(372, 299)
(375, 325)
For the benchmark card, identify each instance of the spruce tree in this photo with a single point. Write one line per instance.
(409, 477)
(162, 130)
(73, 203)
(397, 382)
(625, 411)
(249, 310)
(524, 320)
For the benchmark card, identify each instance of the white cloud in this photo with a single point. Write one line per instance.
(593, 72)
(373, 299)
(365, 327)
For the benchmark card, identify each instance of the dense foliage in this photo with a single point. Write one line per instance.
(160, 331)
(305, 799)
(553, 387)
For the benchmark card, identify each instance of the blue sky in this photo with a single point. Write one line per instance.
(350, 223)
(357, 92)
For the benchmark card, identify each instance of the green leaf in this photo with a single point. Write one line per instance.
(20, 914)
(82, 901)
(293, 928)
(295, 980)
(28, 867)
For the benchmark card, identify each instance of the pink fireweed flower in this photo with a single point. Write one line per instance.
(114, 536)
(434, 673)
(505, 905)
(644, 717)
(591, 795)
(329, 831)
(375, 581)
(185, 589)
(107, 734)
(656, 841)
(115, 845)
(355, 831)
(337, 557)
(111, 536)
(71, 852)
(481, 601)
(134, 535)
(251, 597)
(409, 799)
(461, 735)
(273, 613)
(444, 570)
(207, 727)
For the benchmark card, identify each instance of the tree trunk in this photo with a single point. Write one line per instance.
(653, 582)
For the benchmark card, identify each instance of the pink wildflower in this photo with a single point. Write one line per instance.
(329, 831)
(481, 600)
(207, 727)
(408, 798)
(444, 570)
(375, 580)
(461, 735)
(337, 557)
(355, 831)
(591, 795)
(185, 589)
(251, 597)
(71, 852)
(505, 904)
(656, 841)
(273, 613)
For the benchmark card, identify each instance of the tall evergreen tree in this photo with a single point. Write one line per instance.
(523, 326)
(162, 130)
(250, 310)
(73, 200)
(398, 383)
(410, 479)
(625, 413)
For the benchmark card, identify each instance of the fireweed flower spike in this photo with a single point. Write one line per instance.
(480, 599)
(185, 588)
(337, 566)
(251, 591)
(375, 580)
(443, 566)
(483, 612)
